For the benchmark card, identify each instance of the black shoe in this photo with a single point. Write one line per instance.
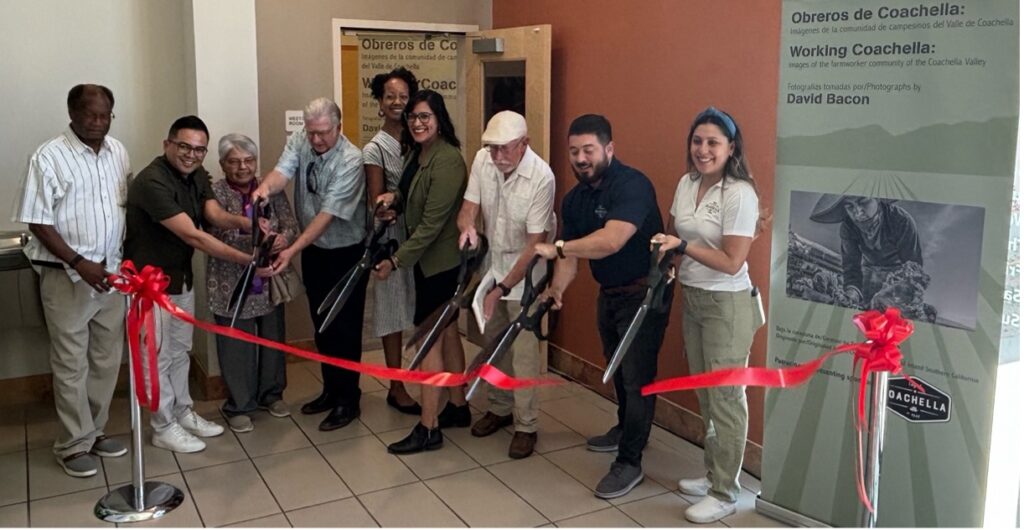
(323, 403)
(413, 409)
(420, 439)
(339, 417)
(454, 416)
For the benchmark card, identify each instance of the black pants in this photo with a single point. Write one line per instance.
(255, 375)
(638, 368)
(321, 270)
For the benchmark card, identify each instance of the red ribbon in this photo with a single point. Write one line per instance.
(142, 288)
(879, 353)
(147, 287)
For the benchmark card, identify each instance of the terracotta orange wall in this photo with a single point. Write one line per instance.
(650, 67)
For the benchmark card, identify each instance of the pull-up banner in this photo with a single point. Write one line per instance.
(897, 131)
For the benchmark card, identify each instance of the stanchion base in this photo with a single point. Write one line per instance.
(118, 506)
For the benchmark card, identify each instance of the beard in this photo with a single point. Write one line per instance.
(598, 171)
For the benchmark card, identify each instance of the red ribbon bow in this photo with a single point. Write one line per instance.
(143, 289)
(880, 352)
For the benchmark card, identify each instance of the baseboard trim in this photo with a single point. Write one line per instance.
(668, 415)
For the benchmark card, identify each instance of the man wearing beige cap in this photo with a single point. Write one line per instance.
(515, 191)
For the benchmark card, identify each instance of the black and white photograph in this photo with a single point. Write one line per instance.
(864, 253)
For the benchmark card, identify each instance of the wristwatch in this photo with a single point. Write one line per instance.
(560, 248)
(504, 288)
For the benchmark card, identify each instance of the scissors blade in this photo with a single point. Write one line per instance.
(447, 314)
(349, 286)
(627, 340)
(496, 354)
(241, 291)
(335, 291)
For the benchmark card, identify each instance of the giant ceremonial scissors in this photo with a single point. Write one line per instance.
(376, 249)
(443, 315)
(524, 321)
(261, 246)
(659, 278)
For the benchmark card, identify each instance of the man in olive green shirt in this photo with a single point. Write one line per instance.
(168, 203)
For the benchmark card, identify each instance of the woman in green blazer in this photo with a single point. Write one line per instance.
(431, 191)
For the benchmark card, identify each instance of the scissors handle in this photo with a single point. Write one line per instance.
(532, 289)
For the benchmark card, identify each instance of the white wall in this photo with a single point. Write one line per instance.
(134, 47)
(227, 93)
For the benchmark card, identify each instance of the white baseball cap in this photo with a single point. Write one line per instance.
(503, 128)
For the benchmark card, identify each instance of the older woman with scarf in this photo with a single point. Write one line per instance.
(254, 375)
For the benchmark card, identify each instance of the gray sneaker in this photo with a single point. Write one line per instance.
(240, 423)
(619, 481)
(108, 447)
(78, 465)
(277, 409)
(607, 442)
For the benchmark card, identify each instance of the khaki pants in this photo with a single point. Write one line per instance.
(522, 360)
(86, 346)
(718, 328)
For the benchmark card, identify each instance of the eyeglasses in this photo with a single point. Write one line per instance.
(422, 117)
(185, 148)
(504, 149)
(239, 162)
(311, 178)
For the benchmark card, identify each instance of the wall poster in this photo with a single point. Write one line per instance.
(897, 137)
(432, 57)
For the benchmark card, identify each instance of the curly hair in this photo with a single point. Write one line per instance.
(377, 84)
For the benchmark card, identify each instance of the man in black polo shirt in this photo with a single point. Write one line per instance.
(609, 218)
(168, 203)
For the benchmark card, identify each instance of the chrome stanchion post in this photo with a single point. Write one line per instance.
(879, 395)
(138, 501)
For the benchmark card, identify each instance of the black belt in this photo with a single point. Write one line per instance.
(48, 264)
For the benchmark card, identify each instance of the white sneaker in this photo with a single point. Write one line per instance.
(709, 510)
(176, 438)
(695, 486)
(199, 425)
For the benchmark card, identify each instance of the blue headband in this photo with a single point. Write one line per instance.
(729, 124)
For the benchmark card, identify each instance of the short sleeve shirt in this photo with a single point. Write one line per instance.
(81, 194)
(160, 192)
(729, 208)
(332, 182)
(512, 208)
(624, 194)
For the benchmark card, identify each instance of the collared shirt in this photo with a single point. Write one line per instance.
(160, 192)
(81, 193)
(624, 194)
(512, 208)
(338, 188)
(729, 208)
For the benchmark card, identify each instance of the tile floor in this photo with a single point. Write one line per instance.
(287, 473)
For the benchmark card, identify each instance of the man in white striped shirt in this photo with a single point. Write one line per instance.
(73, 202)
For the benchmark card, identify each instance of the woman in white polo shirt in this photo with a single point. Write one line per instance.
(713, 219)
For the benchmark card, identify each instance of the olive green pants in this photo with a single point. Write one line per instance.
(718, 328)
